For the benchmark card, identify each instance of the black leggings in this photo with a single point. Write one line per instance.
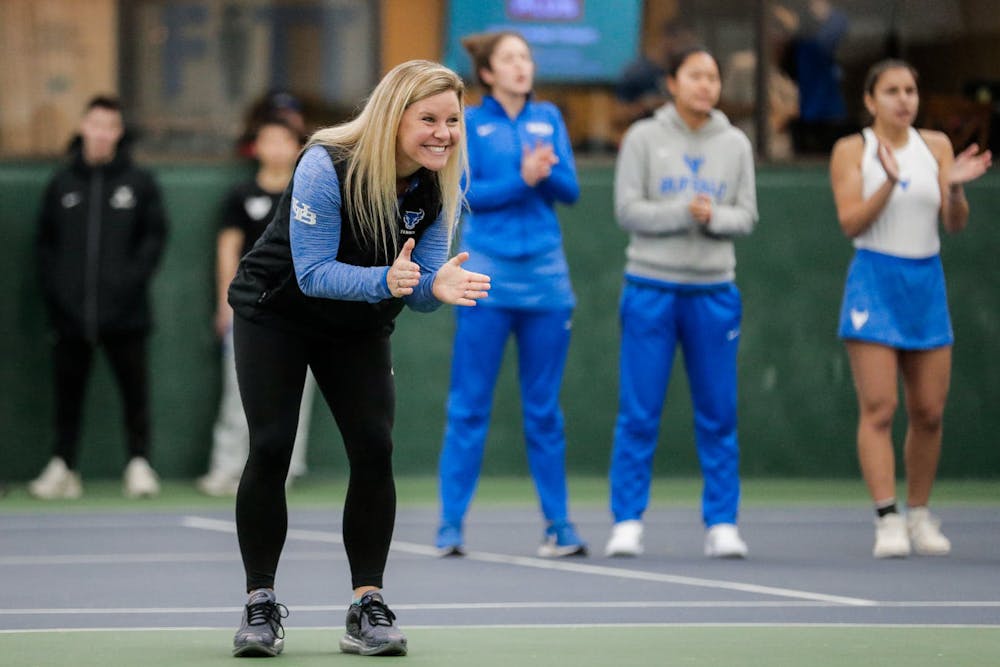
(74, 357)
(355, 376)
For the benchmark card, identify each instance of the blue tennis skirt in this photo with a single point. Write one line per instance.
(896, 301)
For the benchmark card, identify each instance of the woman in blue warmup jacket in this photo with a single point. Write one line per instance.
(521, 164)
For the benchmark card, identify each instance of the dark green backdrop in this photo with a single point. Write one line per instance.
(797, 407)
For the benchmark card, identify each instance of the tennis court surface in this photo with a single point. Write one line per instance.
(107, 582)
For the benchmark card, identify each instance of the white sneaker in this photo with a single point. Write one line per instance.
(625, 540)
(139, 480)
(56, 482)
(925, 533)
(723, 541)
(218, 484)
(891, 539)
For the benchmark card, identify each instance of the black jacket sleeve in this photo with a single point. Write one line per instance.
(46, 242)
(152, 232)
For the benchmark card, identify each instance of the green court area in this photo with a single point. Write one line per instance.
(921, 612)
(416, 491)
(580, 646)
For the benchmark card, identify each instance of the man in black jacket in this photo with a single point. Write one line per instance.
(101, 233)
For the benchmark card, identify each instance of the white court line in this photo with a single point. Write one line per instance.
(118, 559)
(115, 559)
(625, 573)
(561, 626)
(221, 526)
(476, 606)
(560, 565)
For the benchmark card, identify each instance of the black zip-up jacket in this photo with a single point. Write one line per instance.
(101, 234)
(265, 289)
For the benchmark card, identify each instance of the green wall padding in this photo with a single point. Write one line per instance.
(797, 406)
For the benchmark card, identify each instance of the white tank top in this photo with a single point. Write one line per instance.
(908, 225)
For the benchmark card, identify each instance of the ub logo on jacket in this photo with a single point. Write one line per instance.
(539, 128)
(411, 219)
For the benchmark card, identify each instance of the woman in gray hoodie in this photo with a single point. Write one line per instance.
(684, 187)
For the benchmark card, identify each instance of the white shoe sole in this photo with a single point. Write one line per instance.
(552, 551)
(252, 650)
(349, 644)
(622, 552)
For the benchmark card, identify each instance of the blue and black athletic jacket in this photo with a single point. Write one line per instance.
(268, 284)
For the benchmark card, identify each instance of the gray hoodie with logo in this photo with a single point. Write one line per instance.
(661, 166)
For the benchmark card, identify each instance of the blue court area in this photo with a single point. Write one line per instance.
(111, 584)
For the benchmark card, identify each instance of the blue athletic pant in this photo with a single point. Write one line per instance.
(706, 323)
(542, 338)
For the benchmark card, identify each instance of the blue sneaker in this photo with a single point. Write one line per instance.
(449, 540)
(561, 540)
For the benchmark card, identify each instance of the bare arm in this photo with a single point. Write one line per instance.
(855, 213)
(227, 257)
(953, 173)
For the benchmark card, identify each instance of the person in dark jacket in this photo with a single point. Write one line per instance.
(363, 229)
(102, 229)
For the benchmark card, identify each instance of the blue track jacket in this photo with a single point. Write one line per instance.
(512, 231)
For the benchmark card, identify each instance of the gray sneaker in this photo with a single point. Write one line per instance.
(371, 628)
(261, 633)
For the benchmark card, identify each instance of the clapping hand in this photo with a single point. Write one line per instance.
(968, 166)
(404, 274)
(456, 286)
(537, 163)
(888, 160)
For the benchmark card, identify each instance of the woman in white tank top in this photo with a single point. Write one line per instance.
(892, 184)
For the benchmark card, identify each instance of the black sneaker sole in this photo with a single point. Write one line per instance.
(349, 644)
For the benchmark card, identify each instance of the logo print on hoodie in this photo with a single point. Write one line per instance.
(411, 218)
(672, 185)
(694, 162)
(123, 197)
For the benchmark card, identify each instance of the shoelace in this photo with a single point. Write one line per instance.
(270, 613)
(378, 613)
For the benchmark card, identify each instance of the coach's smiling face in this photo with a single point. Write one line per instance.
(428, 133)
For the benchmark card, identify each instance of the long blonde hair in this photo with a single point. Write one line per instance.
(368, 145)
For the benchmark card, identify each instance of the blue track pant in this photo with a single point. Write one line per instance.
(706, 323)
(542, 344)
